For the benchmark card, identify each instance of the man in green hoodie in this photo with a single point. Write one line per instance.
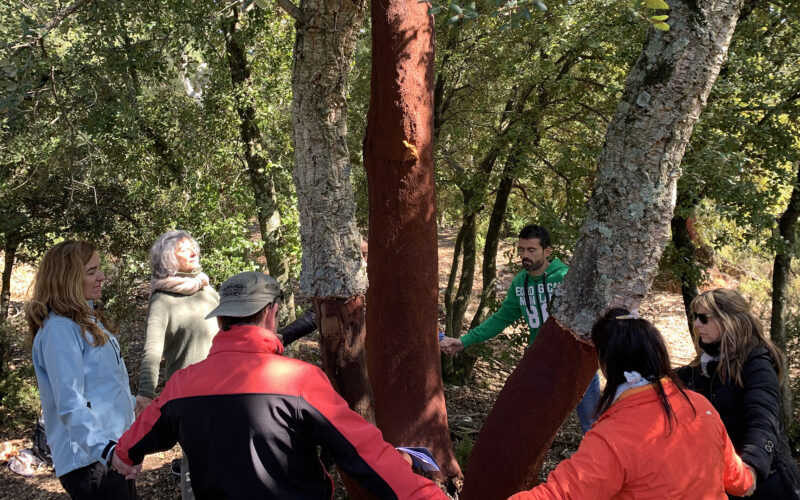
(529, 297)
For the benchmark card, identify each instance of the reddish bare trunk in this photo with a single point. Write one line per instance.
(402, 347)
(515, 454)
(342, 330)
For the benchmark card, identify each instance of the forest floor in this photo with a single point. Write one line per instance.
(467, 406)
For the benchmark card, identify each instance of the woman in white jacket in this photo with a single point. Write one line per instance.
(83, 382)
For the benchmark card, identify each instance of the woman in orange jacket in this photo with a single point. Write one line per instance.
(653, 439)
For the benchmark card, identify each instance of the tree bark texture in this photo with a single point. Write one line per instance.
(402, 344)
(9, 257)
(498, 469)
(342, 328)
(621, 241)
(787, 228)
(269, 218)
(627, 222)
(331, 261)
(332, 272)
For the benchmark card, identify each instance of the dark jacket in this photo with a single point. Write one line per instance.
(250, 422)
(753, 417)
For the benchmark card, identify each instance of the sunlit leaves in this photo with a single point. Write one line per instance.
(656, 4)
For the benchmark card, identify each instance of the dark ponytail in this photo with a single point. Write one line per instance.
(625, 343)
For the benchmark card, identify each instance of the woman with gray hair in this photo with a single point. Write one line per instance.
(180, 299)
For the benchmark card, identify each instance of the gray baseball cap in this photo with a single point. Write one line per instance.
(245, 294)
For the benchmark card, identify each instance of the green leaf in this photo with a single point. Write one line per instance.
(539, 5)
(262, 4)
(659, 18)
(453, 20)
(661, 26)
(656, 4)
(455, 8)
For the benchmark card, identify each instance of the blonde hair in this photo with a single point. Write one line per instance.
(58, 287)
(740, 331)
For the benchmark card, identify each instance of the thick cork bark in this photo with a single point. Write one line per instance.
(626, 229)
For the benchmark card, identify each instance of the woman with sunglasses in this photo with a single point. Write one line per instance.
(83, 384)
(652, 438)
(739, 371)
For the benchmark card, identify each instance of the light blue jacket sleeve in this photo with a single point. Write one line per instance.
(62, 355)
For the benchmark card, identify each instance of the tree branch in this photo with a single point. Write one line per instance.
(293, 10)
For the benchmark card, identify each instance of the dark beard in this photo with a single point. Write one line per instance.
(530, 265)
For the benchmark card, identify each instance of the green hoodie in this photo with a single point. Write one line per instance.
(514, 305)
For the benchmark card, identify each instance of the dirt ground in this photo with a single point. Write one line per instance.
(467, 406)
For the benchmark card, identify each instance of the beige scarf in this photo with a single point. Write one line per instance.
(182, 283)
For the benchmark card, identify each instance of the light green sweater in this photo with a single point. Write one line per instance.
(177, 332)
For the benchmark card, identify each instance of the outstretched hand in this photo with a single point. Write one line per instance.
(129, 471)
(451, 346)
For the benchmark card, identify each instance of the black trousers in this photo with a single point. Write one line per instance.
(96, 481)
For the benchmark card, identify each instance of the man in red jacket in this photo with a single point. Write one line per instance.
(250, 421)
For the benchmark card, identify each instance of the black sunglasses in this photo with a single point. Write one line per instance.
(703, 317)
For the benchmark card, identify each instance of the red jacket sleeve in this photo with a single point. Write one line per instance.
(358, 446)
(149, 433)
(594, 471)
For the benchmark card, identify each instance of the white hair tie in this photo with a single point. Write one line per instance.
(633, 315)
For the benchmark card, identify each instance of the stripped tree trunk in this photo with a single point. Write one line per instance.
(787, 229)
(621, 241)
(332, 272)
(261, 178)
(402, 345)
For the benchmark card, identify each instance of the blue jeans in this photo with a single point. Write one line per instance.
(588, 404)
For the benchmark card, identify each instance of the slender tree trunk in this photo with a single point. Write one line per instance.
(458, 369)
(467, 278)
(269, 218)
(9, 257)
(402, 346)
(621, 241)
(332, 272)
(489, 269)
(451, 284)
(787, 229)
(684, 262)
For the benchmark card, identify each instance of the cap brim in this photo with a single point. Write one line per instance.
(236, 309)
